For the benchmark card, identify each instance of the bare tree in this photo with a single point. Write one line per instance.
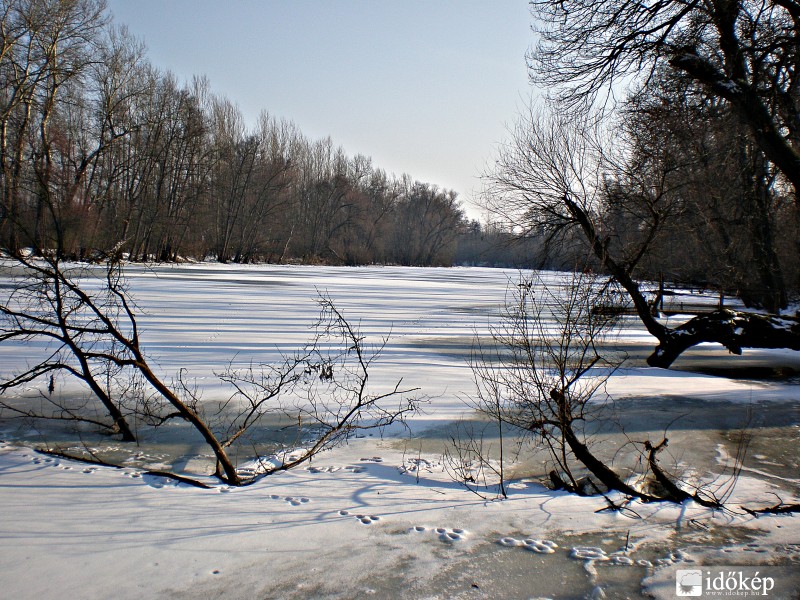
(472, 459)
(427, 222)
(46, 46)
(720, 179)
(96, 330)
(331, 400)
(742, 51)
(45, 303)
(93, 334)
(545, 379)
(554, 177)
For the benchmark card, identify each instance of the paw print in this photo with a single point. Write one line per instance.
(364, 519)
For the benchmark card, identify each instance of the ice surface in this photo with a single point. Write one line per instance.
(379, 517)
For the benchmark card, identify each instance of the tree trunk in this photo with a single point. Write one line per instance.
(596, 467)
(734, 330)
(223, 460)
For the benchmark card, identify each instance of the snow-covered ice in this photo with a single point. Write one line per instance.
(380, 517)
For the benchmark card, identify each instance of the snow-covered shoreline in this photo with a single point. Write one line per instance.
(347, 526)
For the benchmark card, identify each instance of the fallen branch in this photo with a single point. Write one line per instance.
(93, 460)
(778, 509)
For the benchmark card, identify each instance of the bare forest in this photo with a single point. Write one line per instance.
(99, 147)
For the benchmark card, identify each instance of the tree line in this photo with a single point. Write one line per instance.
(694, 179)
(98, 147)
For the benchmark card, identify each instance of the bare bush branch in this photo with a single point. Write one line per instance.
(92, 324)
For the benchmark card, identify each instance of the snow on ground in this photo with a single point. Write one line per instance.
(380, 517)
(348, 526)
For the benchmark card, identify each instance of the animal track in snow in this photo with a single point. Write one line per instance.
(293, 500)
(747, 548)
(364, 519)
(48, 461)
(753, 547)
(589, 553)
(156, 481)
(417, 465)
(334, 469)
(592, 555)
(675, 557)
(445, 535)
(791, 549)
(534, 545)
(144, 457)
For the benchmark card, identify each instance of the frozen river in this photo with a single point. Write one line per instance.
(198, 320)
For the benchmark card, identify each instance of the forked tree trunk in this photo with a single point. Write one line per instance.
(225, 469)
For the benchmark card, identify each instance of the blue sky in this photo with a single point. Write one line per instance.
(423, 87)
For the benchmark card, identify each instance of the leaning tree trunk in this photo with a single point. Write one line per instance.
(596, 467)
(734, 330)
